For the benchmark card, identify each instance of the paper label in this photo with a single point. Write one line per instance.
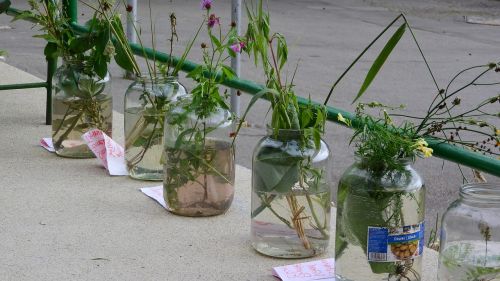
(110, 153)
(155, 193)
(396, 243)
(315, 270)
(47, 144)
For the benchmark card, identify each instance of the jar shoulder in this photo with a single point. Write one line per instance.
(359, 178)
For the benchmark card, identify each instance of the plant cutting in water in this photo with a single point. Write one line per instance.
(147, 100)
(289, 189)
(371, 200)
(199, 160)
(81, 98)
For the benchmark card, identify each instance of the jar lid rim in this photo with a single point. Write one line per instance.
(147, 78)
(481, 192)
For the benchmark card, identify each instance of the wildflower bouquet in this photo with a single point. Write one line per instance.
(380, 212)
(199, 167)
(290, 180)
(82, 98)
(148, 98)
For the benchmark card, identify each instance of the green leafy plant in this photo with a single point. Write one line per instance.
(81, 101)
(381, 144)
(443, 121)
(158, 81)
(93, 49)
(275, 170)
(195, 152)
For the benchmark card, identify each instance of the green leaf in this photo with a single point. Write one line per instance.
(254, 99)
(380, 60)
(215, 41)
(228, 72)
(195, 73)
(47, 37)
(50, 50)
(180, 138)
(102, 40)
(101, 67)
(282, 50)
(121, 56)
(275, 170)
(4, 5)
(26, 15)
(81, 44)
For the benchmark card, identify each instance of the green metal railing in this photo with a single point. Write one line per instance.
(51, 69)
(442, 150)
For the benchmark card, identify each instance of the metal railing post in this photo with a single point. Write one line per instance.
(71, 9)
(131, 21)
(51, 69)
(235, 62)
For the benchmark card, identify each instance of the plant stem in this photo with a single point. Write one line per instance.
(297, 220)
(69, 130)
(267, 203)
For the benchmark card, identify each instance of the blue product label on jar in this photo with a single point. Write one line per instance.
(387, 244)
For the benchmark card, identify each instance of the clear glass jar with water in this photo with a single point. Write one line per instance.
(470, 235)
(81, 101)
(146, 102)
(199, 168)
(380, 223)
(291, 195)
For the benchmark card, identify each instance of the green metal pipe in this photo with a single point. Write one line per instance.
(71, 9)
(442, 150)
(23, 86)
(466, 157)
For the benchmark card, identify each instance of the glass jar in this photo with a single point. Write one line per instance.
(81, 101)
(470, 235)
(291, 195)
(146, 102)
(380, 223)
(199, 167)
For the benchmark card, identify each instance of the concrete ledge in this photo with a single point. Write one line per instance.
(65, 219)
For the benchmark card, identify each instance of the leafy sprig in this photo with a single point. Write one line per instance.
(94, 50)
(270, 50)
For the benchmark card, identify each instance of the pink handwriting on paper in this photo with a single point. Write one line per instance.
(315, 270)
(110, 153)
(47, 144)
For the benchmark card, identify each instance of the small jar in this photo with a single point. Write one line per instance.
(470, 235)
(380, 223)
(291, 195)
(81, 101)
(146, 102)
(199, 166)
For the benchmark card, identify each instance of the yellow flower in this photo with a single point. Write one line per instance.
(422, 146)
(421, 142)
(497, 132)
(426, 151)
(343, 120)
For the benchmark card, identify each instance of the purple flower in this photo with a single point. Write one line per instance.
(237, 47)
(206, 4)
(213, 20)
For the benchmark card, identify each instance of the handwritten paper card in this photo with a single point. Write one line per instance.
(315, 270)
(47, 144)
(108, 151)
(156, 193)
